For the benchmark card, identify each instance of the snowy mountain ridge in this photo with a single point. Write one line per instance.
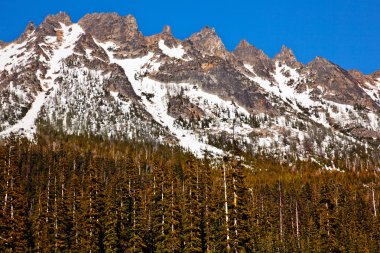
(101, 76)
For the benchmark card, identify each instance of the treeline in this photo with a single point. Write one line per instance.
(87, 195)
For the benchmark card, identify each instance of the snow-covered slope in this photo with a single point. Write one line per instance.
(193, 93)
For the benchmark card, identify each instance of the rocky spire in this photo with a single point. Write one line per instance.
(363, 79)
(376, 74)
(207, 42)
(321, 62)
(30, 28)
(262, 65)
(112, 26)
(167, 30)
(53, 22)
(339, 85)
(287, 56)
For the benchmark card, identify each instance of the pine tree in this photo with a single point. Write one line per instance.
(192, 210)
(92, 239)
(14, 219)
(136, 242)
(111, 223)
(240, 210)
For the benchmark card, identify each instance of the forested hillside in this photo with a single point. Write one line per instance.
(77, 194)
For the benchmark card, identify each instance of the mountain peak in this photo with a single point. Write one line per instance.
(131, 22)
(243, 43)
(376, 74)
(260, 62)
(287, 56)
(318, 60)
(167, 30)
(208, 43)
(53, 22)
(29, 29)
(61, 17)
(285, 53)
(111, 26)
(208, 30)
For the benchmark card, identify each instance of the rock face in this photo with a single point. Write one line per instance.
(286, 56)
(52, 23)
(112, 27)
(166, 35)
(337, 84)
(376, 74)
(103, 77)
(260, 62)
(208, 43)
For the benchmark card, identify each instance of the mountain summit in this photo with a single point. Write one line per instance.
(103, 77)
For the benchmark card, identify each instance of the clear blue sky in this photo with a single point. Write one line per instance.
(346, 32)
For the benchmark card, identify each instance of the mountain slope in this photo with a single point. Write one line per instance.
(102, 76)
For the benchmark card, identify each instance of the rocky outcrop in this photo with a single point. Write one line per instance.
(181, 107)
(166, 35)
(337, 84)
(122, 30)
(216, 76)
(86, 44)
(286, 56)
(207, 43)
(30, 28)
(52, 23)
(262, 65)
(376, 74)
(362, 79)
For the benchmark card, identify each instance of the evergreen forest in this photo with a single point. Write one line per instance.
(80, 194)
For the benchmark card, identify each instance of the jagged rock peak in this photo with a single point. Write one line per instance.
(376, 74)
(167, 30)
(208, 43)
(111, 26)
(285, 53)
(131, 21)
(30, 27)
(260, 62)
(243, 43)
(2, 44)
(60, 17)
(53, 22)
(109, 18)
(244, 49)
(321, 61)
(287, 56)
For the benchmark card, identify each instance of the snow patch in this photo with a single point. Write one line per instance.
(27, 124)
(176, 52)
(154, 97)
(61, 50)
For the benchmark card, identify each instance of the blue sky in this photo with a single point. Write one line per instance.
(346, 32)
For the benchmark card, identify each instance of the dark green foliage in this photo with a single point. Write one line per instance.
(75, 194)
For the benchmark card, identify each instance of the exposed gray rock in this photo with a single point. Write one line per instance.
(52, 23)
(287, 56)
(208, 43)
(262, 65)
(113, 27)
(338, 85)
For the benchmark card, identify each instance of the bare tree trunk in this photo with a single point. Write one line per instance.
(374, 201)
(297, 227)
(226, 208)
(281, 225)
